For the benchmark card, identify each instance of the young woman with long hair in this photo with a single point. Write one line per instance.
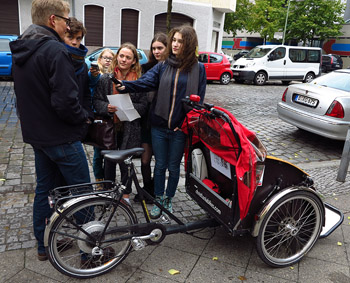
(125, 66)
(177, 77)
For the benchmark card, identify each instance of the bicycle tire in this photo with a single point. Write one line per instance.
(69, 249)
(290, 229)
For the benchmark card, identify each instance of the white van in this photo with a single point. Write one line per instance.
(278, 62)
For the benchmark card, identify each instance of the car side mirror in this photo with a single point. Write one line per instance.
(270, 57)
(92, 58)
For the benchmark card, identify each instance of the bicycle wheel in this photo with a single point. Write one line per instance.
(75, 245)
(290, 229)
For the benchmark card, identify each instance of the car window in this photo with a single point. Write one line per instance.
(336, 80)
(215, 58)
(257, 52)
(203, 58)
(279, 53)
(4, 45)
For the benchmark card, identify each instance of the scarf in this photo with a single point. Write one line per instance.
(78, 57)
(165, 90)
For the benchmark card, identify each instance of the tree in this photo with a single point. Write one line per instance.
(237, 21)
(314, 19)
(267, 17)
(168, 16)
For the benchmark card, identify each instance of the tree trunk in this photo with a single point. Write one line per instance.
(168, 16)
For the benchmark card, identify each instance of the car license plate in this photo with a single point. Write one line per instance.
(306, 100)
(235, 73)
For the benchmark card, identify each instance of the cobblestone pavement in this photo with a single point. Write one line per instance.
(254, 106)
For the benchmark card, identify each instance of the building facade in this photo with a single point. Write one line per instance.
(112, 22)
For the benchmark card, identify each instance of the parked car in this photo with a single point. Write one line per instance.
(240, 54)
(278, 62)
(331, 62)
(321, 106)
(217, 67)
(94, 55)
(229, 57)
(6, 55)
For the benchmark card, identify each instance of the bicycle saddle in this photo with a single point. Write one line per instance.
(121, 155)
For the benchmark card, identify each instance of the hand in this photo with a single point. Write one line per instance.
(177, 129)
(112, 108)
(94, 72)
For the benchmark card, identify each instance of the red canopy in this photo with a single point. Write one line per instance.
(218, 137)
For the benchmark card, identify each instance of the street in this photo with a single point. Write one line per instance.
(254, 107)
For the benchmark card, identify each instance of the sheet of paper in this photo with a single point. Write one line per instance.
(126, 110)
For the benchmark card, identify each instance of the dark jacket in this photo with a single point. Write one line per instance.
(46, 89)
(131, 130)
(150, 81)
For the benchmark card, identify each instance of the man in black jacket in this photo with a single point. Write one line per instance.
(52, 119)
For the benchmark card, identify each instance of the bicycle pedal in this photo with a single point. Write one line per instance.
(163, 219)
(138, 244)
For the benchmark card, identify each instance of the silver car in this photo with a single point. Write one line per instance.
(321, 106)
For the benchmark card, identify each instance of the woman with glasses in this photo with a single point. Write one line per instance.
(104, 62)
(125, 66)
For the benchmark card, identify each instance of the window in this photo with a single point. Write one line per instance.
(297, 55)
(313, 56)
(214, 58)
(279, 53)
(305, 55)
(4, 45)
(203, 58)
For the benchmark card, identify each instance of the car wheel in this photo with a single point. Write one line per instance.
(260, 78)
(225, 78)
(309, 77)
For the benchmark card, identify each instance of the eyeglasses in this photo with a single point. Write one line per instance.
(107, 58)
(64, 18)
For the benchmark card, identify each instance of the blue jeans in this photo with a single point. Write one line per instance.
(97, 164)
(55, 166)
(168, 147)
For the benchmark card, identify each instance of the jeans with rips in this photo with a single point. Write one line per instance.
(55, 166)
(168, 147)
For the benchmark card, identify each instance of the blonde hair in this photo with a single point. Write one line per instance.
(104, 70)
(135, 67)
(43, 9)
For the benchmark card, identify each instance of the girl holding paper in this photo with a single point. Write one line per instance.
(180, 75)
(125, 66)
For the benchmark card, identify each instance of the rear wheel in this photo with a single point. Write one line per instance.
(225, 78)
(290, 229)
(309, 77)
(260, 78)
(76, 247)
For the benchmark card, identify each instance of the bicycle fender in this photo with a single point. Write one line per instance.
(60, 210)
(266, 208)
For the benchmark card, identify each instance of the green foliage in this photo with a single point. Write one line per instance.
(267, 18)
(237, 21)
(307, 19)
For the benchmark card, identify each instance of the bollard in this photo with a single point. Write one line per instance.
(345, 158)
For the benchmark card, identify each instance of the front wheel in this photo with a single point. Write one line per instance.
(225, 78)
(290, 229)
(260, 78)
(90, 237)
(309, 77)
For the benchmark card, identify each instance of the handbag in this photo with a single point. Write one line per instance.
(101, 133)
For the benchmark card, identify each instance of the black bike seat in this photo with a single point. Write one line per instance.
(121, 155)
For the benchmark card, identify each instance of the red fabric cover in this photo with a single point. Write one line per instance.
(246, 162)
(211, 185)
